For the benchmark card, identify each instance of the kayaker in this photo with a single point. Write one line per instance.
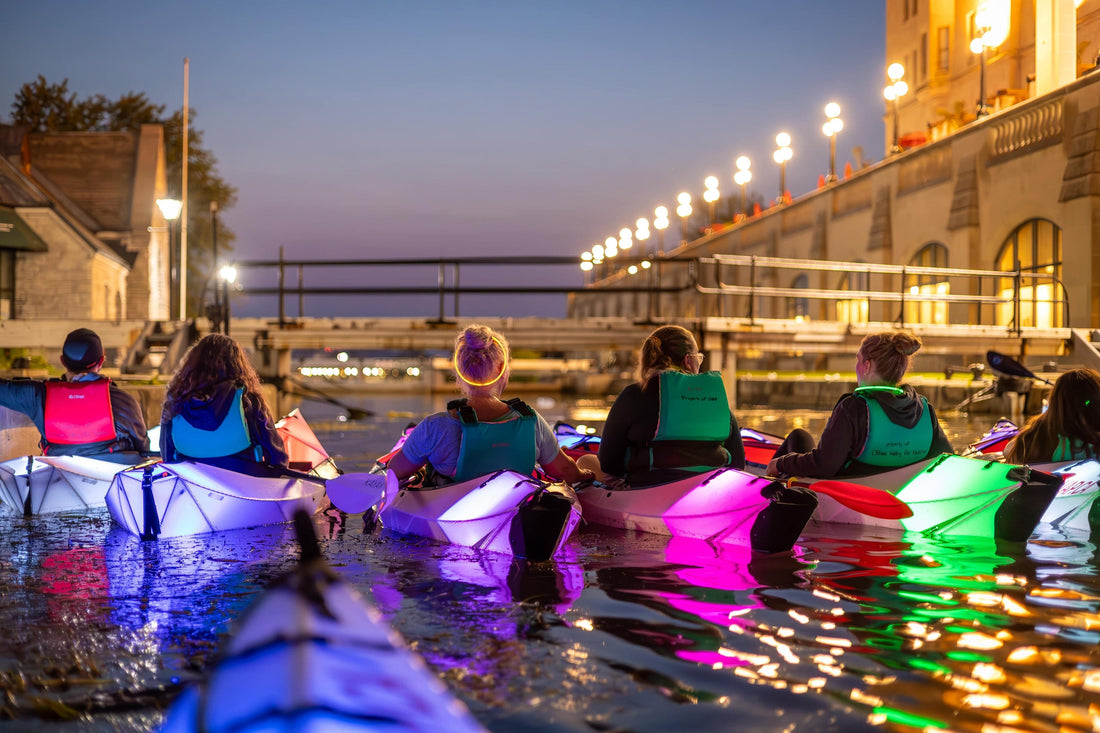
(214, 412)
(83, 413)
(673, 422)
(481, 433)
(1069, 429)
(882, 425)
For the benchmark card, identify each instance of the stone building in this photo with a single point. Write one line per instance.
(80, 234)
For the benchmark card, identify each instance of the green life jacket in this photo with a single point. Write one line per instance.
(693, 424)
(229, 438)
(888, 444)
(488, 447)
(1070, 451)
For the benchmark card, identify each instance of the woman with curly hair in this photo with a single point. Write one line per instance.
(481, 433)
(882, 425)
(673, 422)
(214, 412)
(1070, 427)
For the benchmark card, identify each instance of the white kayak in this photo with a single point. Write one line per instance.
(175, 499)
(952, 495)
(311, 655)
(46, 484)
(504, 512)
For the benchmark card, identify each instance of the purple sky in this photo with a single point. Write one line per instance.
(378, 129)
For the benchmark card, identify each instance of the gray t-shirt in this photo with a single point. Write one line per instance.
(437, 439)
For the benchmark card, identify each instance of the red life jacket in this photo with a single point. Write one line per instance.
(79, 412)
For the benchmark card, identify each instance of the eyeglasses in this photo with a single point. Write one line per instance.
(699, 354)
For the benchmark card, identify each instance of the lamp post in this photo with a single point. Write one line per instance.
(228, 275)
(683, 211)
(711, 194)
(660, 223)
(170, 210)
(991, 22)
(742, 178)
(782, 154)
(832, 127)
(896, 89)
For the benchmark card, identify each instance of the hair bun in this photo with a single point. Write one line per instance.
(906, 343)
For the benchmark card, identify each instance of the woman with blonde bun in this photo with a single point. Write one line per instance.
(481, 433)
(672, 423)
(883, 425)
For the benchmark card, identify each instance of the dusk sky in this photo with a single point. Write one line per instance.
(428, 129)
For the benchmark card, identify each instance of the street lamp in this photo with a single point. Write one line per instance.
(782, 154)
(660, 223)
(710, 195)
(170, 209)
(991, 22)
(683, 211)
(832, 127)
(742, 178)
(641, 233)
(228, 275)
(894, 90)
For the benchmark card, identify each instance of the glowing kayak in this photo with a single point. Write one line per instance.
(174, 499)
(304, 450)
(993, 443)
(721, 506)
(311, 655)
(952, 495)
(504, 512)
(45, 484)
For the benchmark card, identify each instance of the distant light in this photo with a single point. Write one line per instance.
(661, 212)
(782, 139)
(228, 273)
(342, 356)
(170, 208)
(684, 198)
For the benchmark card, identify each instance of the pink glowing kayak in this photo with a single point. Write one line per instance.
(504, 512)
(951, 495)
(311, 655)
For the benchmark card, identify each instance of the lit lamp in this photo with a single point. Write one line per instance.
(228, 276)
(683, 211)
(991, 22)
(641, 233)
(742, 178)
(782, 154)
(660, 223)
(893, 91)
(626, 238)
(170, 209)
(710, 195)
(832, 127)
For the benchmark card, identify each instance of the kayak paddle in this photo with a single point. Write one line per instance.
(1007, 365)
(354, 493)
(864, 499)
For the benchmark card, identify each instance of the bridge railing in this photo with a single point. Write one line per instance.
(1016, 298)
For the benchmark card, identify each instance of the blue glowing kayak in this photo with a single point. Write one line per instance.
(311, 655)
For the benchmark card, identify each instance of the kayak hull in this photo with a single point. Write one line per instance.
(177, 499)
(50, 484)
(722, 506)
(503, 512)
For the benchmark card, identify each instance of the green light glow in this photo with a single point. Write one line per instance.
(904, 718)
(924, 664)
(957, 495)
(968, 657)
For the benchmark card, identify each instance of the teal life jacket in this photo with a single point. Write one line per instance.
(488, 447)
(229, 438)
(1070, 450)
(889, 445)
(693, 424)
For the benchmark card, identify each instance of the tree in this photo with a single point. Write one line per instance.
(44, 107)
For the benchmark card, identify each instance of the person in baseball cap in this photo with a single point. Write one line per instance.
(83, 351)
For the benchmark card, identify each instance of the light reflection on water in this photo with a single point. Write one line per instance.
(626, 631)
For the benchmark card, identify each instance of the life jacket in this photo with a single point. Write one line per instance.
(693, 424)
(78, 413)
(229, 438)
(889, 445)
(488, 447)
(1070, 451)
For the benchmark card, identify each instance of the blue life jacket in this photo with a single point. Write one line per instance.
(229, 438)
(488, 447)
(692, 425)
(889, 445)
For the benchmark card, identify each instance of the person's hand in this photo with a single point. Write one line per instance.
(772, 470)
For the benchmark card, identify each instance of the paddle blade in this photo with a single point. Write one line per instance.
(1007, 365)
(354, 493)
(864, 499)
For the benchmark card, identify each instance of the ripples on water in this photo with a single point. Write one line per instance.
(626, 632)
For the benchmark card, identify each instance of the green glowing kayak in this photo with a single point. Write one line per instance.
(952, 495)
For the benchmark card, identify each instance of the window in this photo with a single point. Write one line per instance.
(7, 284)
(923, 56)
(799, 308)
(1037, 246)
(943, 62)
(927, 285)
(853, 310)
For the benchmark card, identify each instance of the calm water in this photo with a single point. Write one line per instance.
(627, 632)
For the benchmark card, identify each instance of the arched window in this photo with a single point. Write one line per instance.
(799, 308)
(853, 310)
(927, 311)
(1037, 246)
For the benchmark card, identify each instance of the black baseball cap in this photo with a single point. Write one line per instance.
(82, 350)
